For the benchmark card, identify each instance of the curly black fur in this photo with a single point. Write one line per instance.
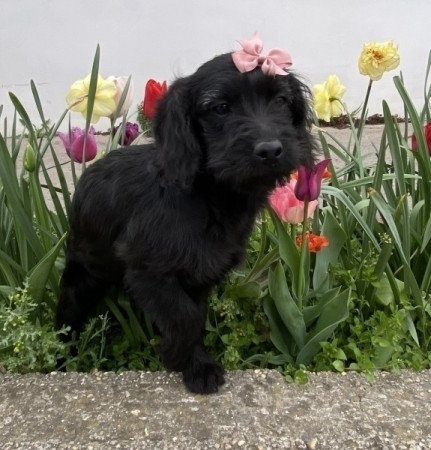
(169, 220)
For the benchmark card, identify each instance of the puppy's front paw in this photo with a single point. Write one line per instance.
(203, 375)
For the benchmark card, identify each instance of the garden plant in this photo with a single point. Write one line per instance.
(338, 270)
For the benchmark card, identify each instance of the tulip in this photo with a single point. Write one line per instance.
(377, 58)
(427, 133)
(315, 242)
(326, 175)
(120, 84)
(104, 99)
(153, 92)
(74, 144)
(309, 180)
(286, 205)
(327, 98)
(131, 132)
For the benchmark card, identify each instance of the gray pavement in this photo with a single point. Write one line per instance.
(253, 410)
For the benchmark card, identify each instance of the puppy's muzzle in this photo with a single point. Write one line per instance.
(268, 151)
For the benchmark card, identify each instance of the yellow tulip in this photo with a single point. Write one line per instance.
(377, 58)
(104, 100)
(327, 98)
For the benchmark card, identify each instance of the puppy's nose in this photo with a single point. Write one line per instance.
(268, 150)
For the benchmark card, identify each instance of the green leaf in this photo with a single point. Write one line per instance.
(410, 279)
(383, 355)
(411, 327)
(6, 291)
(421, 154)
(288, 310)
(25, 117)
(384, 293)
(115, 310)
(22, 216)
(340, 195)
(135, 324)
(311, 313)
(328, 255)
(250, 289)
(286, 246)
(262, 265)
(331, 316)
(38, 276)
(7, 266)
(338, 365)
(427, 235)
(278, 334)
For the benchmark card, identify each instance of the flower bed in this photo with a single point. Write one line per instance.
(338, 271)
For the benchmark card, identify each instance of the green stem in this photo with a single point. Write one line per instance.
(84, 151)
(364, 109)
(111, 135)
(304, 248)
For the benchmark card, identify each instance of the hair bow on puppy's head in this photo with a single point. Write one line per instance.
(275, 62)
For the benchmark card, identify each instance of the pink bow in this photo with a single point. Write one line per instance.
(250, 57)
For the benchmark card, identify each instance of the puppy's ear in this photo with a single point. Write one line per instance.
(299, 101)
(300, 104)
(178, 150)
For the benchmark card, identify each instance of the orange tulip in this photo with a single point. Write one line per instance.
(315, 242)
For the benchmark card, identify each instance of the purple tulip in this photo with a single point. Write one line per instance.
(309, 180)
(131, 132)
(74, 144)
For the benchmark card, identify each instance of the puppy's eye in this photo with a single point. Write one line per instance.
(222, 109)
(281, 100)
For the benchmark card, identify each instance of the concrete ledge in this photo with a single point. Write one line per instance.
(254, 410)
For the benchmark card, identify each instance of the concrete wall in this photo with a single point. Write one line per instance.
(53, 42)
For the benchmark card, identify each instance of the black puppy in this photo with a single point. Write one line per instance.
(169, 220)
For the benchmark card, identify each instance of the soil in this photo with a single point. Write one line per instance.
(343, 121)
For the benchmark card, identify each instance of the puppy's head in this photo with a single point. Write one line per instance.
(240, 128)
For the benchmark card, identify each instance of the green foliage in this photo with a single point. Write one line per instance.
(362, 303)
(383, 341)
(145, 124)
(26, 343)
(103, 346)
(237, 329)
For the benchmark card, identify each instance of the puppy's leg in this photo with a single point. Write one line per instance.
(180, 320)
(80, 292)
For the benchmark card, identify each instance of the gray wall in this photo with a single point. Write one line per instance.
(53, 42)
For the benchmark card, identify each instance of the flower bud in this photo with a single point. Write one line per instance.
(29, 159)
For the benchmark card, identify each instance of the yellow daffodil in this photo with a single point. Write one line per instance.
(377, 58)
(327, 98)
(104, 100)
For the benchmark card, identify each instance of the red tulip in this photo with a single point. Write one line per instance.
(309, 180)
(427, 133)
(153, 92)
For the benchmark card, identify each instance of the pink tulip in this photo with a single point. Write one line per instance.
(74, 144)
(287, 206)
(309, 181)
